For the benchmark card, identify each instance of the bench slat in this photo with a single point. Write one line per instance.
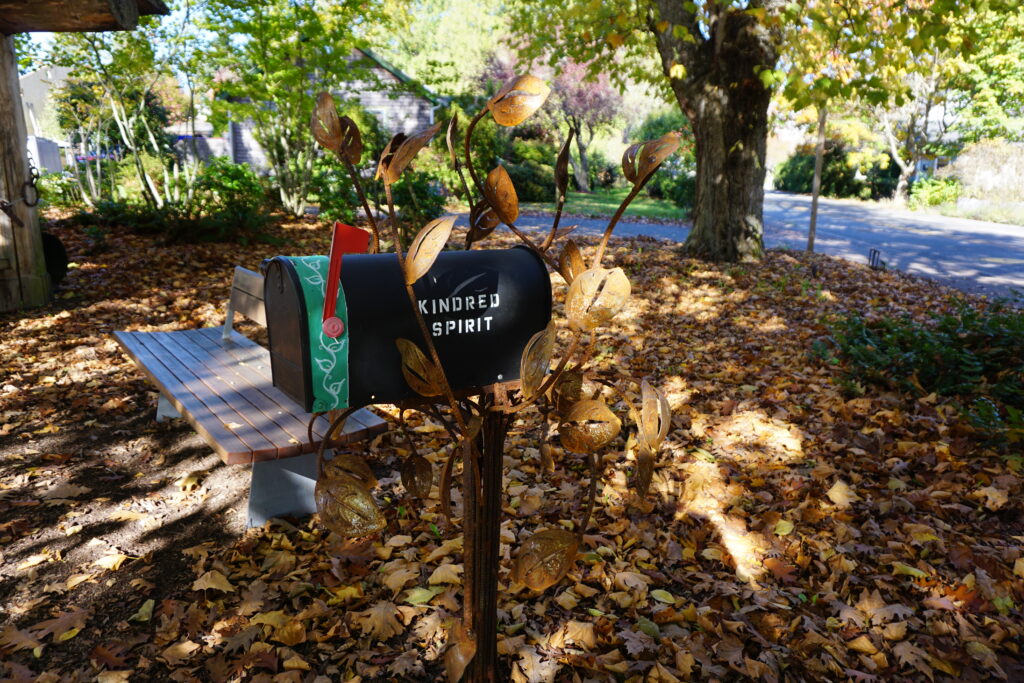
(217, 410)
(216, 434)
(248, 281)
(252, 406)
(256, 389)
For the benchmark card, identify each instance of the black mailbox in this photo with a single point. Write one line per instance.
(480, 306)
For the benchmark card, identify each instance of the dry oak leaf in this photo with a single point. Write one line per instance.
(176, 654)
(214, 580)
(532, 668)
(113, 561)
(291, 634)
(446, 573)
(842, 495)
(398, 573)
(119, 676)
(12, 640)
(62, 624)
(379, 621)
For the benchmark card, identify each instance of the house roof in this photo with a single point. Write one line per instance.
(19, 16)
(401, 75)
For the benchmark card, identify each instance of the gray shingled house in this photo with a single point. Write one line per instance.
(398, 112)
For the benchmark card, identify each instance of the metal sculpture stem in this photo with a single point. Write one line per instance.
(366, 205)
(482, 546)
(611, 224)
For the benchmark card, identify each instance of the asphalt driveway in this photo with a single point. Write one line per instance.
(986, 258)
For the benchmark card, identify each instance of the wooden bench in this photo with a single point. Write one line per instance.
(220, 381)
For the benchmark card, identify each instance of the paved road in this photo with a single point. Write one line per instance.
(975, 256)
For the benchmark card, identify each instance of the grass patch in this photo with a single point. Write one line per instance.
(604, 202)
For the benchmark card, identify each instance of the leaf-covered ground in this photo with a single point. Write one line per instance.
(791, 532)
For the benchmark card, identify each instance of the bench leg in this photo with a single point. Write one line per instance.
(165, 410)
(282, 488)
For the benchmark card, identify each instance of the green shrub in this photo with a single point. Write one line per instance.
(224, 185)
(59, 189)
(534, 182)
(883, 177)
(333, 192)
(420, 198)
(235, 222)
(674, 181)
(933, 192)
(838, 176)
(974, 357)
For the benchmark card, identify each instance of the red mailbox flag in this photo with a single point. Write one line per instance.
(347, 240)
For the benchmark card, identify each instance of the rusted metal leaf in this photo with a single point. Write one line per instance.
(640, 161)
(460, 652)
(351, 147)
(419, 371)
(562, 167)
(518, 99)
(595, 296)
(536, 360)
(346, 506)
(407, 151)
(570, 262)
(427, 245)
(567, 389)
(588, 426)
(629, 162)
(501, 195)
(449, 139)
(482, 222)
(352, 465)
(388, 155)
(655, 417)
(644, 472)
(545, 558)
(417, 476)
(324, 123)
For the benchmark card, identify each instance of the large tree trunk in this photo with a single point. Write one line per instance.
(727, 104)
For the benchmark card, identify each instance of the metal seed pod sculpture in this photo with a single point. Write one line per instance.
(552, 376)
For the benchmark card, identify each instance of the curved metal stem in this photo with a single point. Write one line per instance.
(611, 224)
(362, 198)
(324, 443)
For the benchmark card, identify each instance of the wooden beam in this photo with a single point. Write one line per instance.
(21, 16)
(23, 278)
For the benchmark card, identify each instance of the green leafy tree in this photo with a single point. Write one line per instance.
(275, 55)
(721, 60)
(125, 70)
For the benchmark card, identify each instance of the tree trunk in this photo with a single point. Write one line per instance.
(819, 157)
(727, 104)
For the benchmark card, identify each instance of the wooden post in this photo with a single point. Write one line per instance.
(819, 155)
(24, 241)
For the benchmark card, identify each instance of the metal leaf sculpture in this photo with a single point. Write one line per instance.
(518, 99)
(482, 222)
(460, 652)
(426, 247)
(450, 141)
(387, 157)
(595, 296)
(642, 159)
(417, 476)
(570, 262)
(655, 417)
(325, 124)
(501, 195)
(351, 148)
(545, 558)
(536, 360)
(644, 472)
(567, 390)
(352, 465)
(346, 506)
(420, 373)
(588, 426)
(407, 151)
